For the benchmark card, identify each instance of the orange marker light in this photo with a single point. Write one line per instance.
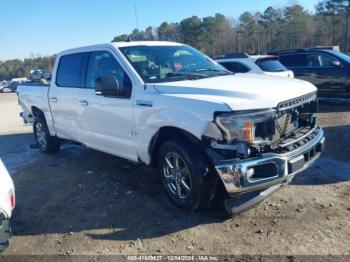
(248, 132)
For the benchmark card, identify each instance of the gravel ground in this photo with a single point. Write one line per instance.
(81, 201)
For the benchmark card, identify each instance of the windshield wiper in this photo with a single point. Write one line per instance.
(214, 70)
(187, 74)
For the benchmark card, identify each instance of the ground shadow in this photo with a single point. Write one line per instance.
(80, 189)
(334, 164)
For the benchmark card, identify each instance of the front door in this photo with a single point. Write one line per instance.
(107, 122)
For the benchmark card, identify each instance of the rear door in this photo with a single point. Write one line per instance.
(327, 71)
(107, 122)
(64, 96)
(298, 64)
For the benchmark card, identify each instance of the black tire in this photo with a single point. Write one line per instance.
(199, 178)
(47, 143)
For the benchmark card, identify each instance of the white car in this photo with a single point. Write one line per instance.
(4, 87)
(7, 204)
(169, 106)
(255, 64)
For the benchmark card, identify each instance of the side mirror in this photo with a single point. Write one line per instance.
(336, 63)
(107, 86)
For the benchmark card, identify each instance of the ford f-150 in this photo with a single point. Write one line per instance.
(170, 106)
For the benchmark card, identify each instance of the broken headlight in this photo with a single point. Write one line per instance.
(240, 126)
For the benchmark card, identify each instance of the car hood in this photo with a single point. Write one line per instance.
(239, 91)
(287, 73)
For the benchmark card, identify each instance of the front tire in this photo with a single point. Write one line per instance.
(47, 143)
(186, 176)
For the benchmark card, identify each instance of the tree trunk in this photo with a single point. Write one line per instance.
(346, 44)
(333, 29)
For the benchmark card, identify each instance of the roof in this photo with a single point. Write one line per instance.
(297, 51)
(257, 57)
(232, 55)
(118, 45)
(145, 43)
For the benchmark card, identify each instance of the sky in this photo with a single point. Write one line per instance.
(39, 27)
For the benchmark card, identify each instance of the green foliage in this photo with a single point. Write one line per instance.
(272, 29)
(21, 68)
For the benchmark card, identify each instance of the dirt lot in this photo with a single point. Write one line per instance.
(81, 201)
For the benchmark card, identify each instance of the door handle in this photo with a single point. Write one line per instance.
(83, 103)
(53, 99)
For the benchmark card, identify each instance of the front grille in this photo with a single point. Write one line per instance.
(295, 102)
(288, 127)
(301, 137)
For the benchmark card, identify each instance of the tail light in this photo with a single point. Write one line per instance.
(12, 199)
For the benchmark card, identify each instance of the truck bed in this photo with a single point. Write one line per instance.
(30, 95)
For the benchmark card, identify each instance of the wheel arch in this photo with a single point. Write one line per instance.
(37, 112)
(170, 133)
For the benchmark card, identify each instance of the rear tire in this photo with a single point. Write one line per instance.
(47, 143)
(186, 176)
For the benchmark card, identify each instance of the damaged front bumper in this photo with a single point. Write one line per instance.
(265, 175)
(5, 232)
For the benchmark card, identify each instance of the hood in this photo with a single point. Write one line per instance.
(239, 91)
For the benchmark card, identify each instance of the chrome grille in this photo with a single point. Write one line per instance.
(295, 102)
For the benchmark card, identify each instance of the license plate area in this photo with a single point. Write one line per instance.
(296, 164)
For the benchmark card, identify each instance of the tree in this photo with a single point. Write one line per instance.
(299, 25)
(269, 25)
(17, 68)
(248, 25)
(191, 31)
(169, 32)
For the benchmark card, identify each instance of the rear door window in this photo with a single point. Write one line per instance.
(293, 60)
(69, 73)
(235, 67)
(271, 65)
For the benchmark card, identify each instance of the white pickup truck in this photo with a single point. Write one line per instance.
(168, 105)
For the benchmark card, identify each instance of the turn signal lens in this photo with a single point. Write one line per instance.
(248, 132)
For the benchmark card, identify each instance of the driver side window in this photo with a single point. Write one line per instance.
(102, 63)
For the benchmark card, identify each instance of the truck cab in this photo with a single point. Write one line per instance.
(170, 106)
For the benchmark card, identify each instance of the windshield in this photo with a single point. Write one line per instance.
(343, 56)
(271, 65)
(156, 64)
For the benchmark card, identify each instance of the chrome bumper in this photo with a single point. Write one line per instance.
(264, 172)
(5, 232)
